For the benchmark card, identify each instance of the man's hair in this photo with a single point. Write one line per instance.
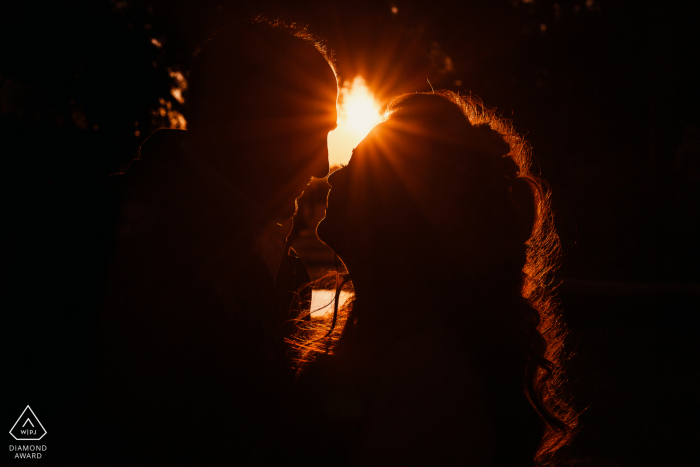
(244, 68)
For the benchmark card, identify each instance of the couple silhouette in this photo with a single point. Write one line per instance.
(450, 350)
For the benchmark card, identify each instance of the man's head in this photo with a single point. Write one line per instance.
(262, 99)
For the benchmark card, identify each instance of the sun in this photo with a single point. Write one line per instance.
(358, 113)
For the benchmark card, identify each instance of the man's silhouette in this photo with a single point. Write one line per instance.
(195, 367)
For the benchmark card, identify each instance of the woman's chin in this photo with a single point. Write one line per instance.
(322, 230)
(327, 232)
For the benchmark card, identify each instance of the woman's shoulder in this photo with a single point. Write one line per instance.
(331, 403)
(428, 406)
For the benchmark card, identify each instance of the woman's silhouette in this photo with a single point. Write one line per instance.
(451, 350)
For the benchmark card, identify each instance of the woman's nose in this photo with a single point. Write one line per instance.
(335, 178)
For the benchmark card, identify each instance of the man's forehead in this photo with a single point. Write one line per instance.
(312, 72)
(312, 90)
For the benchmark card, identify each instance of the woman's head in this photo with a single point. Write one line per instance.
(438, 199)
(430, 181)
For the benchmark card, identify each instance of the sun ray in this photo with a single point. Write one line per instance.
(358, 113)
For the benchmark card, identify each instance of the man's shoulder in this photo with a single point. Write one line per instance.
(158, 155)
(163, 139)
(162, 193)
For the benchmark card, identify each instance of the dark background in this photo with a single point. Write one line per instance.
(606, 91)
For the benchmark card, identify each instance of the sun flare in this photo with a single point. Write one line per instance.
(358, 113)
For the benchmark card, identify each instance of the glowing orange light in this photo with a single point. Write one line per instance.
(358, 113)
(177, 120)
(323, 302)
(180, 85)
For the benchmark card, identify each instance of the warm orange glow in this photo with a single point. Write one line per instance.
(180, 85)
(323, 301)
(358, 113)
(177, 120)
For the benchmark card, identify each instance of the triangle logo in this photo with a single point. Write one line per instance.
(27, 427)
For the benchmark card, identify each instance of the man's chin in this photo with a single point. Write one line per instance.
(284, 215)
(284, 211)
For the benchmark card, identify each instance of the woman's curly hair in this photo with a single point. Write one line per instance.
(547, 330)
